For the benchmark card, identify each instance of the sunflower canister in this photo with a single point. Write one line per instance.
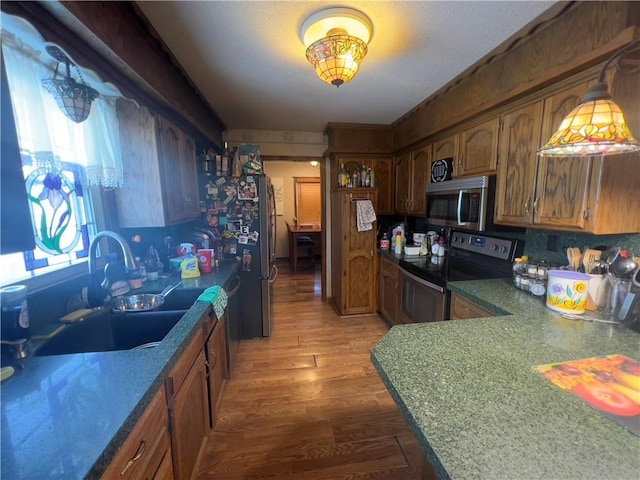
(567, 291)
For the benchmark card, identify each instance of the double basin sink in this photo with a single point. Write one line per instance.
(107, 330)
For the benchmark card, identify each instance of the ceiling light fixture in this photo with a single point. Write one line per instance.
(314, 163)
(596, 126)
(336, 41)
(73, 98)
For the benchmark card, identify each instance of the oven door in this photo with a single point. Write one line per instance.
(422, 301)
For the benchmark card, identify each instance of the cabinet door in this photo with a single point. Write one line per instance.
(479, 149)
(461, 308)
(189, 177)
(383, 168)
(217, 366)
(189, 419)
(517, 170)
(403, 183)
(389, 294)
(447, 148)
(562, 182)
(420, 166)
(360, 274)
(171, 171)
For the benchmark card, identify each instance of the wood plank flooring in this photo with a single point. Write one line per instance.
(306, 403)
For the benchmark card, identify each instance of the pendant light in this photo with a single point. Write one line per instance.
(595, 127)
(73, 98)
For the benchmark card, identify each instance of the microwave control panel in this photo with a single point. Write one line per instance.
(493, 247)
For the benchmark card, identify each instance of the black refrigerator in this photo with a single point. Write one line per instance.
(240, 211)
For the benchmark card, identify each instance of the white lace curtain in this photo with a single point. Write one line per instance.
(43, 128)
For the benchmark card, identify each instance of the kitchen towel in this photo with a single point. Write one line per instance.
(366, 215)
(217, 296)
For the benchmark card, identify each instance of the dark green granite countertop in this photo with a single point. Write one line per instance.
(65, 416)
(468, 390)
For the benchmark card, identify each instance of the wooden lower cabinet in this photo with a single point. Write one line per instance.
(461, 308)
(389, 295)
(146, 454)
(216, 353)
(188, 409)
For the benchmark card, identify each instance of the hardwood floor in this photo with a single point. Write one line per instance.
(306, 403)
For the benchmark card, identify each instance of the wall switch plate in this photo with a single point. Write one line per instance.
(552, 243)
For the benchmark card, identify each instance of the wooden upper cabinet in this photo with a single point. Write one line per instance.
(383, 167)
(517, 170)
(561, 194)
(403, 181)
(160, 177)
(447, 148)
(421, 166)
(479, 149)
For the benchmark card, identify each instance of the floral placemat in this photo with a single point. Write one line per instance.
(610, 384)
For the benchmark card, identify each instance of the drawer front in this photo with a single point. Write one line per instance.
(138, 456)
(462, 308)
(179, 373)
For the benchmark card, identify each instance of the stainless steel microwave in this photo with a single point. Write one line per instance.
(463, 203)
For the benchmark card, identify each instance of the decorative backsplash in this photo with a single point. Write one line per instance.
(536, 243)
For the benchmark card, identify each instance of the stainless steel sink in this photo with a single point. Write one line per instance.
(108, 331)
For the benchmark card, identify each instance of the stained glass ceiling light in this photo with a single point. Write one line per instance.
(596, 126)
(73, 98)
(336, 41)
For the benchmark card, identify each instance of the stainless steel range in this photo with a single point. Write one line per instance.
(471, 256)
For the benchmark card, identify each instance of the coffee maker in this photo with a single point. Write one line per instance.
(14, 323)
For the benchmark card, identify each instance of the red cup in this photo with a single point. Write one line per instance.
(205, 259)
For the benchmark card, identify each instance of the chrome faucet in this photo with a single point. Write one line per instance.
(129, 261)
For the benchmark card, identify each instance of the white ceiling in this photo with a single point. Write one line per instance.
(247, 59)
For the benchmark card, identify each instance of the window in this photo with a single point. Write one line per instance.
(64, 163)
(308, 201)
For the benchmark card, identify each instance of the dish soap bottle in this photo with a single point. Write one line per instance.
(398, 244)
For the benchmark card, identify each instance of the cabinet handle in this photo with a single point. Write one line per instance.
(526, 205)
(535, 205)
(135, 458)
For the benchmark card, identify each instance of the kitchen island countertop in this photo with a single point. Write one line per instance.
(468, 390)
(65, 416)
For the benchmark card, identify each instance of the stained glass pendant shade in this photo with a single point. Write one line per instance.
(336, 41)
(74, 98)
(595, 127)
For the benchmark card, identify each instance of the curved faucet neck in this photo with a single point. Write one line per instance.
(129, 261)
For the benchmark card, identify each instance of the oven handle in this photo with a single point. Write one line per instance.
(424, 282)
(460, 207)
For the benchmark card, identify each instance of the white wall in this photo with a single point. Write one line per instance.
(287, 170)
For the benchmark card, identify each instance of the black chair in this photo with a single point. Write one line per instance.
(309, 260)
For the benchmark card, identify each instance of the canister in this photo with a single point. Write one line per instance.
(567, 291)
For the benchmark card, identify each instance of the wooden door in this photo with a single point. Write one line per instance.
(403, 183)
(562, 186)
(383, 168)
(189, 419)
(171, 166)
(479, 149)
(217, 366)
(447, 148)
(517, 170)
(420, 168)
(360, 260)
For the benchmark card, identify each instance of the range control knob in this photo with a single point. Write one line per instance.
(503, 249)
(494, 247)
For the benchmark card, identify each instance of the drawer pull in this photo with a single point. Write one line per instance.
(135, 458)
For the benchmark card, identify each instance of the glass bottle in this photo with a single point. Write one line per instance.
(372, 178)
(355, 178)
(342, 176)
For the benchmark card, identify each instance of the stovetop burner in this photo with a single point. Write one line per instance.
(471, 257)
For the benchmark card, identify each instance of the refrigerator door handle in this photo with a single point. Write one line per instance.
(273, 275)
